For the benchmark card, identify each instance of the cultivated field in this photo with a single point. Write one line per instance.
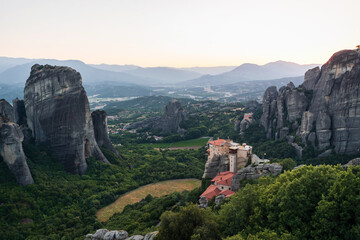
(192, 143)
(156, 190)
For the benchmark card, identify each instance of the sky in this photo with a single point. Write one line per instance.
(179, 33)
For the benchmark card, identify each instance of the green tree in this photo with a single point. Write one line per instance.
(288, 164)
(190, 222)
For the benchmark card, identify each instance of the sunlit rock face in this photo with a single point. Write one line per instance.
(58, 114)
(324, 110)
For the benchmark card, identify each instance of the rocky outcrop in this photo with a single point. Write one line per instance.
(252, 106)
(99, 119)
(203, 202)
(174, 114)
(11, 151)
(353, 162)
(216, 164)
(170, 121)
(255, 173)
(219, 199)
(246, 122)
(324, 110)
(19, 111)
(58, 114)
(6, 110)
(269, 109)
(21, 120)
(104, 234)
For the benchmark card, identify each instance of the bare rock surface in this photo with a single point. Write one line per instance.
(6, 110)
(19, 111)
(11, 151)
(216, 164)
(173, 115)
(99, 119)
(254, 173)
(151, 236)
(58, 114)
(353, 162)
(324, 110)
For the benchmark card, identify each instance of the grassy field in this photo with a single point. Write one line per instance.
(156, 190)
(187, 143)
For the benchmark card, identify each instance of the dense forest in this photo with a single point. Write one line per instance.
(307, 203)
(62, 206)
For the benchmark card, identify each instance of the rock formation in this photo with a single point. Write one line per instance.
(168, 122)
(218, 163)
(6, 110)
(58, 114)
(19, 111)
(203, 202)
(246, 122)
(252, 106)
(254, 173)
(104, 234)
(324, 110)
(11, 151)
(353, 162)
(99, 119)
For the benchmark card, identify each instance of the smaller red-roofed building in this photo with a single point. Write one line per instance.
(220, 185)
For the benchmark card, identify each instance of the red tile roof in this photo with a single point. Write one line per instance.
(217, 142)
(223, 178)
(210, 192)
(227, 193)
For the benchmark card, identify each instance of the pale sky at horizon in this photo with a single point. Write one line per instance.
(179, 33)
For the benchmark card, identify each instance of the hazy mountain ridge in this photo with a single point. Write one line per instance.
(252, 72)
(114, 81)
(19, 73)
(166, 75)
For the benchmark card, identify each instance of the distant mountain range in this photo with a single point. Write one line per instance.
(113, 81)
(252, 72)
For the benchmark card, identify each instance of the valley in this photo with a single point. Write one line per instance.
(142, 163)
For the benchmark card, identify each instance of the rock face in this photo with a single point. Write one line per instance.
(252, 106)
(353, 162)
(203, 202)
(99, 119)
(58, 114)
(216, 164)
(324, 110)
(104, 234)
(6, 110)
(168, 122)
(11, 151)
(254, 173)
(19, 111)
(246, 122)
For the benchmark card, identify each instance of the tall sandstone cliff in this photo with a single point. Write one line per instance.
(11, 151)
(170, 121)
(99, 119)
(58, 114)
(324, 111)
